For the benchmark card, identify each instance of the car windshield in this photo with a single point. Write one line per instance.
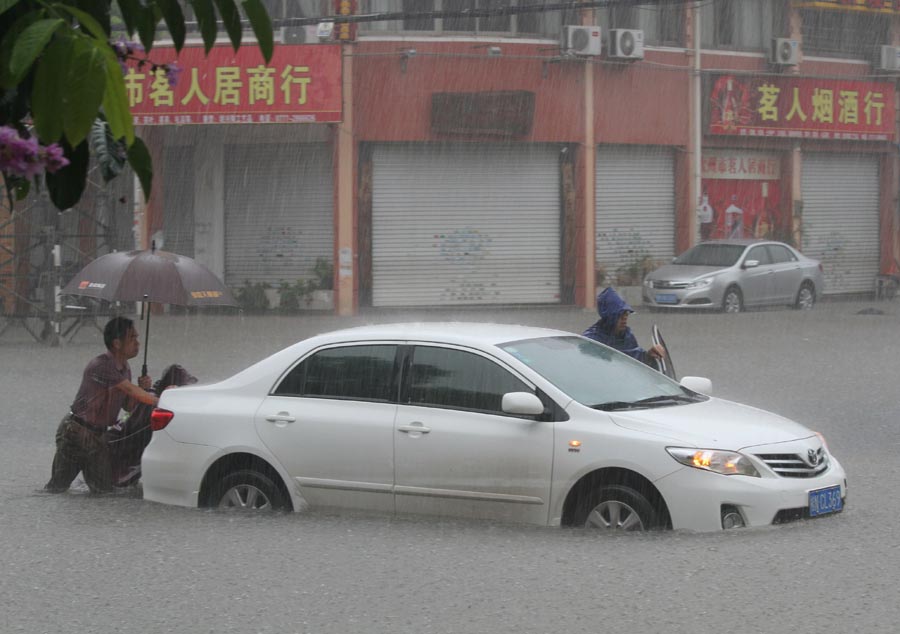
(711, 255)
(598, 376)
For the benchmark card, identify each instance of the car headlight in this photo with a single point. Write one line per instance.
(715, 460)
(648, 283)
(701, 283)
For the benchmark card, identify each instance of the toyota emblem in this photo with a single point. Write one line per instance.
(813, 457)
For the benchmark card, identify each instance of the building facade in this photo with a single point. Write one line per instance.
(529, 158)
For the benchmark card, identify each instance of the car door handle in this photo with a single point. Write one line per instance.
(414, 428)
(280, 417)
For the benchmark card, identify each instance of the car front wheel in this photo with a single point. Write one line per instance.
(248, 490)
(618, 508)
(806, 297)
(733, 301)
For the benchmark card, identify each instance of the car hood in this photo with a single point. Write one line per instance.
(713, 424)
(682, 272)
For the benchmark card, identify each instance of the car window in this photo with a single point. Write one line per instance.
(445, 377)
(780, 253)
(760, 254)
(349, 372)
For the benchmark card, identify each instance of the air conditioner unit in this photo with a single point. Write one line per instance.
(784, 52)
(298, 35)
(581, 40)
(626, 44)
(890, 59)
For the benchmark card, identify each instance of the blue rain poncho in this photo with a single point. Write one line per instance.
(610, 306)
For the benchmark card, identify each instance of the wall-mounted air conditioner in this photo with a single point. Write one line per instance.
(626, 44)
(581, 40)
(784, 52)
(890, 59)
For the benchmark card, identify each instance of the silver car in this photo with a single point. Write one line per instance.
(729, 275)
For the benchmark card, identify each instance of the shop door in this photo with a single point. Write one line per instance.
(279, 215)
(635, 212)
(465, 225)
(840, 219)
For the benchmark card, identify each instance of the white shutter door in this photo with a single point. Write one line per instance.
(635, 207)
(279, 216)
(178, 197)
(465, 225)
(840, 219)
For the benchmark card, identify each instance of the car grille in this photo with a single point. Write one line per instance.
(791, 465)
(668, 284)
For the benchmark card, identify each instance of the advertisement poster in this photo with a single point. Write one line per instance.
(741, 195)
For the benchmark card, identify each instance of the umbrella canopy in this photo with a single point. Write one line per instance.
(150, 276)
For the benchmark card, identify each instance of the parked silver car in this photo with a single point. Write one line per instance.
(730, 275)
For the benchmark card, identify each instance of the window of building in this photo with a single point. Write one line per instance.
(364, 373)
(662, 22)
(851, 34)
(534, 23)
(455, 379)
(746, 25)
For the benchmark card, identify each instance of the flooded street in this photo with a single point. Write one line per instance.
(76, 563)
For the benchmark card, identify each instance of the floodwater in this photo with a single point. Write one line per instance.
(77, 563)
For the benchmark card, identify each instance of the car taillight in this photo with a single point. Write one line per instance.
(159, 418)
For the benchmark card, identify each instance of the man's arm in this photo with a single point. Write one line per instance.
(132, 391)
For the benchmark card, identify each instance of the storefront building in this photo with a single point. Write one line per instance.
(448, 161)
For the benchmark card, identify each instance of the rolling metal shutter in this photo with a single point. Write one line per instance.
(840, 219)
(178, 196)
(635, 207)
(279, 215)
(455, 225)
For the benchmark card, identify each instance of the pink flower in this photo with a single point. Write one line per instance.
(54, 159)
(173, 72)
(26, 157)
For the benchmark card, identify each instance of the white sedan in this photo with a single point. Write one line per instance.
(486, 421)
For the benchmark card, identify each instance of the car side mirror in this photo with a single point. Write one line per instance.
(522, 404)
(697, 384)
(751, 264)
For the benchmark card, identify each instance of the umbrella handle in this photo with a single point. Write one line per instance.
(146, 337)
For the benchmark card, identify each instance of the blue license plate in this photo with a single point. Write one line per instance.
(665, 298)
(824, 501)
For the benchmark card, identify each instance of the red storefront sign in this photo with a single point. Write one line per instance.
(869, 6)
(301, 84)
(801, 108)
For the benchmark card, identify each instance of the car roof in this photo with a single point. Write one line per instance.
(745, 242)
(455, 332)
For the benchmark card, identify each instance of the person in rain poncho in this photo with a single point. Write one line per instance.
(612, 327)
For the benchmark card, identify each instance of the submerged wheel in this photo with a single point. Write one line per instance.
(806, 296)
(247, 490)
(733, 301)
(618, 508)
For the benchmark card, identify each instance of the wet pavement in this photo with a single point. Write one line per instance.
(78, 563)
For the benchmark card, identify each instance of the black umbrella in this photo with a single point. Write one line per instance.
(150, 277)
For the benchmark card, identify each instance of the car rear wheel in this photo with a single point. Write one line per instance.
(618, 508)
(806, 296)
(247, 490)
(733, 301)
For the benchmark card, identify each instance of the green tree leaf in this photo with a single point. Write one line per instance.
(29, 45)
(5, 5)
(48, 92)
(148, 18)
(85, 87)
(139, 159)
(88, 23)
(115, 101)
(231, 19)
(174, 18)
(99, 10)
(206, 19)
(131, 11)
(110, 154)
(262, 26)
(67, 185)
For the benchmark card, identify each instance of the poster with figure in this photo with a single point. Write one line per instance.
(743, 192)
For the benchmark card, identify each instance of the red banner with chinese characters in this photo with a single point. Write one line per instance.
(795, 107)
(301, 84)
(869, 6)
